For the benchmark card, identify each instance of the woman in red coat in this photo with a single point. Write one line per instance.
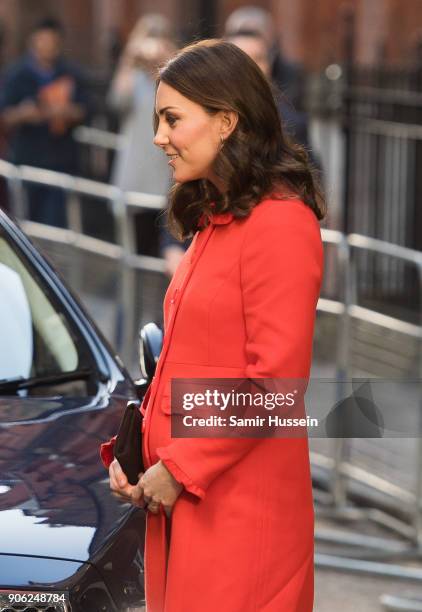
(241, 305)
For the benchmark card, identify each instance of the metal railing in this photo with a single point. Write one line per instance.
(341, 470)
(346, 309)
(122, 206)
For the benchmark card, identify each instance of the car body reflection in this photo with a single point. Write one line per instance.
(60, 529)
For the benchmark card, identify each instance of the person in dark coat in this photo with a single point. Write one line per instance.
(42, 98)
(287, 75)
(256, 46)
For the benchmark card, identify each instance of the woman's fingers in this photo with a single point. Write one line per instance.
(159, 489)
(118, 475)
(125, 492)
(123, 498)
(137, 495)
(114, 485)
(154, 507)
(118, 481)
(113, 471)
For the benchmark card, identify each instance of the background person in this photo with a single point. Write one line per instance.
(287, 75)
(241, 304)
(139, 166)
(42, 98)
(171, 249)
(256, 46)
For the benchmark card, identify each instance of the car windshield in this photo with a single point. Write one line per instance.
(38, 342)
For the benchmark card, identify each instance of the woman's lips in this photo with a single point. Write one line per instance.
(172, 160)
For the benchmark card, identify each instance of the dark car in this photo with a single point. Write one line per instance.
(65, 542)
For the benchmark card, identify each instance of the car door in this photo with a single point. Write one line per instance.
(61, 394)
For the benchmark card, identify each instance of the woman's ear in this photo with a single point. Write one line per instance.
(229, 121)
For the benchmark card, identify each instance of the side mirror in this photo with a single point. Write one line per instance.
(150, 344)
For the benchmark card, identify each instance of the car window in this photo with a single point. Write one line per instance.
(36, 337)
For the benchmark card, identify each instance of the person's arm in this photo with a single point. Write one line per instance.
(171, 250)
(120, 95)
(281, 267)
(71, 112)
(173, 255)
(27, 112)
(79, 107)
(17, 107)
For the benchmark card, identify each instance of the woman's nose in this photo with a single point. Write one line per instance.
(160, 139)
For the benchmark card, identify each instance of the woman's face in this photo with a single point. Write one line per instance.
(189, 136)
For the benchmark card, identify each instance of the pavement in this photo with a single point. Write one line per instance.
(346, 592)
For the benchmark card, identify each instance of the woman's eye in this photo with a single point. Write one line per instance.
(171, 120)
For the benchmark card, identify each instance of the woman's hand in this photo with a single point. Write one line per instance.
(159, 487)
(121, 488)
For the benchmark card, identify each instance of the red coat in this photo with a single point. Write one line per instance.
(242, 304)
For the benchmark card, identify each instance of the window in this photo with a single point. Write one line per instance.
(37, 339)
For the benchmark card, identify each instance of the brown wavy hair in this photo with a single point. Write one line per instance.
(258, 159)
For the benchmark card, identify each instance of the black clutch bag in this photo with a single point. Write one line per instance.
(128, 448)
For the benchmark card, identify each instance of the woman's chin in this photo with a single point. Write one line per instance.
(180, 177)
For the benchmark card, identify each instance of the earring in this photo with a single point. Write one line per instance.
(221, 141)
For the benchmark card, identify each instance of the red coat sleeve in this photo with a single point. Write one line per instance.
(281, 269)
(107, 452)
(281, 277)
